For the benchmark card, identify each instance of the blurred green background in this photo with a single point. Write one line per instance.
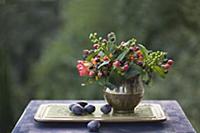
(40, 42)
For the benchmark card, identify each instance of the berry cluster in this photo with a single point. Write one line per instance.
(158, 58)
(83, 108)
(126, 59)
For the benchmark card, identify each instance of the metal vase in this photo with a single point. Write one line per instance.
(125, 97)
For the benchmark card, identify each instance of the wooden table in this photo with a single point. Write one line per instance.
(176, 121)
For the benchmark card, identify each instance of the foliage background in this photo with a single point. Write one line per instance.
(40, 42)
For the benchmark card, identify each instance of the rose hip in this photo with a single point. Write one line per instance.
(170, 62)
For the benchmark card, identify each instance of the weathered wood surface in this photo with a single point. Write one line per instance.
(176, 121)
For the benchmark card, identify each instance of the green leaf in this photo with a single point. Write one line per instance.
(143, 50)
(131, 74)
(146, 77)
(103, 64)
(92, 55)
(110, 85)
(133, 71)
(101, 81)
(111, 46)
(122, 55)
(159, 71)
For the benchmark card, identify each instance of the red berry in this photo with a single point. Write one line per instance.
(105, 58)
(166, 66)
(170, 62)
(95, 46)
(98, 56)
(139, 53)
(136, 48)
(140, 57)
(140, 63)
(86, 52)
(125, 67)
(97, 59)
(131, 48)
(131, 57)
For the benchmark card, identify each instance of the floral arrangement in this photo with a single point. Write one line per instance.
(110, 63)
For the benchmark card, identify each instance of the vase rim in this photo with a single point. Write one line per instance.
(114, 93)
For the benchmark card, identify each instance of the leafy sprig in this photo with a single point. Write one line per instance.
(110, 63)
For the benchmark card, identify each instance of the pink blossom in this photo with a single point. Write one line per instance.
(116, 63)
(82, 68)
(91, 73)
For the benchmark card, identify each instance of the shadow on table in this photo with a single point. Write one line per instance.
(105, 127)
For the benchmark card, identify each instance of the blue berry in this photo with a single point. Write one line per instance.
(106, 108)
(93, 126)
(70, 106)
(77, 109)
(89, 109)
(82, 103)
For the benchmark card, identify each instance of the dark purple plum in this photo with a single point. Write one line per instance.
(93, 126)
(77, 109)
(70, 106)
(82, 103)
(106, 108)
(89, 108)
